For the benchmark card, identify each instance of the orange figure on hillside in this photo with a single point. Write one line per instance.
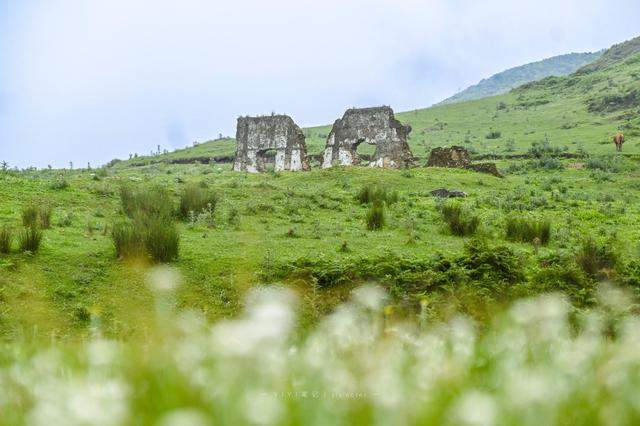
(618, 139)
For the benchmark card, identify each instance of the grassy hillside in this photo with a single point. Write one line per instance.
(580, 112)
(504, 81)
(345, 295)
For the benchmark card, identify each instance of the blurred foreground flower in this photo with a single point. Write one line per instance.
(534, 364)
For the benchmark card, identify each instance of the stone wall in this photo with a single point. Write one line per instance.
(256, 136)
(456, 156)
(375, 126)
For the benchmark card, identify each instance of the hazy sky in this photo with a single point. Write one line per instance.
(96, 79)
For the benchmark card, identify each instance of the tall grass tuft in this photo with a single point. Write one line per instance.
(29, 215)
(372, 193)
(6, 237)
(375, 216)
(195, 198)
(127, 242)
(150, 230)
(142, 201)
(528, 230)
(461, 222)
(593, 257)
(44, 216)
(161, 240)
(30, 239)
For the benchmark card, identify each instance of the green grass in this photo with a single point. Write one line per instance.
(255, 212)
(83, 312)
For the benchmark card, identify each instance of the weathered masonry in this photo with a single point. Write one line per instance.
(375, 126)
(262, 140)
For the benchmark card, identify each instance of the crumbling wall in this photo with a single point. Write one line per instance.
(375, 126)
(453, 157)
(458, 157)
(257, 136)
(489, 168)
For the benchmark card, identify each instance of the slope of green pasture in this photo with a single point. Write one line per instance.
(282, 217)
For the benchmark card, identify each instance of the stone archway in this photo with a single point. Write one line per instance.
(375, 126)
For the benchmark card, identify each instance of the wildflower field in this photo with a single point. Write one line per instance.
(533, 363)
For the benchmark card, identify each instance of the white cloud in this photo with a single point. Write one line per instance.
(87, 81)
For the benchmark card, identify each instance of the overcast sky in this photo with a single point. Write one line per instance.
(92, 80)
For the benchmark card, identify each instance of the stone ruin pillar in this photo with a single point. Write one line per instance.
(375, 126)
(256, 136)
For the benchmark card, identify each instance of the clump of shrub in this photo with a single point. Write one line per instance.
(609, 164)
(29, 215)
(487, 263)
(44, 216)
(528, 230)
(195, 198)
(595, 256)
(493, 134)
(233, 217)
(372, 193)
(66, 220)
(59, 184)
(148, 202)
(30, 239)
(161, 239)
(6, 237)
(37, 215)
(543, 149)
(481, 263)
(375, 218)
(461, 221)
(610, 102)
(546, 163)
(150, 229)
(155, 237)
(127, 239)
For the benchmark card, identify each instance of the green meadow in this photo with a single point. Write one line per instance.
(163, 290)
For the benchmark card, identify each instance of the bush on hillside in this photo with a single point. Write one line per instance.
(493, 134)
(146, 202)
(127, 240)
(595, 256)
(44, 216)
(543, 149)
(372, 193)
(156, 238)
(461, 222)
(150, 229)
(6, 237)
(30, 239)
(196, 199)
(527, 230)
(59, 184)
(161, 240)
(375, 216)
(615, 101)
(29, 215)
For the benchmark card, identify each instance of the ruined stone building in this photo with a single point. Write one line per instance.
(375, 126)
(276, 138)
(458, 157)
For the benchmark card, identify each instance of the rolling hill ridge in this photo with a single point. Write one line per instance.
(502, 82)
